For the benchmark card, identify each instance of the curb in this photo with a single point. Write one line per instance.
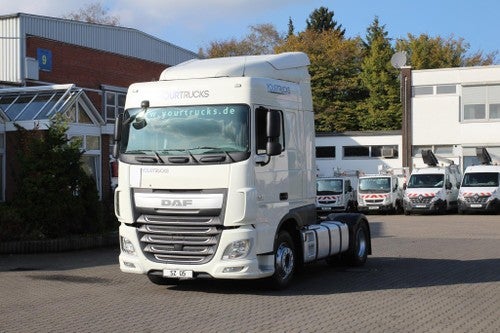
(60, 244)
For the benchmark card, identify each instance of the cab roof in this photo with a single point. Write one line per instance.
(289, 66)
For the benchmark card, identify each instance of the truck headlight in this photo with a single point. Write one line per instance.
(127, 246)
(237, 250)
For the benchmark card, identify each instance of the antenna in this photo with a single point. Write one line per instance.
(398, 59)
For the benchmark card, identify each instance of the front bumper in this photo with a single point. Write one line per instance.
(489, 206)
(251, 267)
(431, 207)
(376, 209)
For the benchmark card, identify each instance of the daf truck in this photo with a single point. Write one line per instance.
(217, 175)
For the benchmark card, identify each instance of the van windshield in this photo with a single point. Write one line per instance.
(329, 186)
(202, 129)
(375, 185)
(426, 181)
(481, 179)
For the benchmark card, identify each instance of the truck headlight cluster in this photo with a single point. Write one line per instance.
(127, 246)
(237, 250)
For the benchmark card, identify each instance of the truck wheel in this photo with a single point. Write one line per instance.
(284, 262)
(358, 249)
(162, 281)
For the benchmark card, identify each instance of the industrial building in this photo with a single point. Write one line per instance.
(51, 65)
(451, 111)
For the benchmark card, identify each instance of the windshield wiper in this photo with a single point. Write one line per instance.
(145, 152)
(214, 148)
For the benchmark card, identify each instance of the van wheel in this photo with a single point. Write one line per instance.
(284, 261)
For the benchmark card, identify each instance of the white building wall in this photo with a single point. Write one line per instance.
(438, 118)
(327, 166)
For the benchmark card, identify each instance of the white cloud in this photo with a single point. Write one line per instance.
(187, 23)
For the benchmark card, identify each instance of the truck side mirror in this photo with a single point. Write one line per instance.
(273, 132)
(117, 135)
(404, 186)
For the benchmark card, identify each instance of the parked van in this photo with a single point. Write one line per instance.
(480, 189)
(380, 193)
(335, 194)
(432, 189)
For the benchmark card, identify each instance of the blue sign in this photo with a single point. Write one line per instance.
(44, 59)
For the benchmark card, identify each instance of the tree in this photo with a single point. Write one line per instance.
(321, 19)
(335, 84)
(262, 39)
(427, 52)
(291, 28)
(382, 109)
(93, 13)
(55, 196)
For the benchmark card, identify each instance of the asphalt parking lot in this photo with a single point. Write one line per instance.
(427, 274)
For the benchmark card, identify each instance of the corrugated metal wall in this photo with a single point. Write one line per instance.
(119, 40)
(11, 50)
(125, 41)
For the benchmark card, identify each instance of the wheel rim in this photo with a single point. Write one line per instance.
(361, 243)
(284, 261)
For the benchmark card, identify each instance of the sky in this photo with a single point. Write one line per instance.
(193, 24)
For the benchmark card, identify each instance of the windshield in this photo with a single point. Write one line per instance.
(375, 185)
(200, 129)
(329, 186)
(480, 179)
(426, 181)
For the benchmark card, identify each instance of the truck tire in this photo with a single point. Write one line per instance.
(284, 261)
(162, 281)
(358, 248)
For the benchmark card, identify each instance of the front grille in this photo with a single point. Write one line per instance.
(421, 200)
(476, 199)
(179, 240)
(374, 201)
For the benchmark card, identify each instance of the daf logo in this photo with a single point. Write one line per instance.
(177, 202)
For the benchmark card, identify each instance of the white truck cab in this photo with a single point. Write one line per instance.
(480, 189)
(217, 174)
(433, 189)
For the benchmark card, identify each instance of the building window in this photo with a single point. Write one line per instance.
(325, 152)
(423, 90)
(446, 89)
(114, 104)
(356, 151)
(481, 103)
(474, 111)
(384, 151)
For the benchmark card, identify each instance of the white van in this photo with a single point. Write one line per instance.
(433, 189)
(480, 189)
(335, 194)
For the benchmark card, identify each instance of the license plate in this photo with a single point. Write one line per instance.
(177, 273)
(325, 208)
(373, 207)
(420, 206)
(476, 206)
